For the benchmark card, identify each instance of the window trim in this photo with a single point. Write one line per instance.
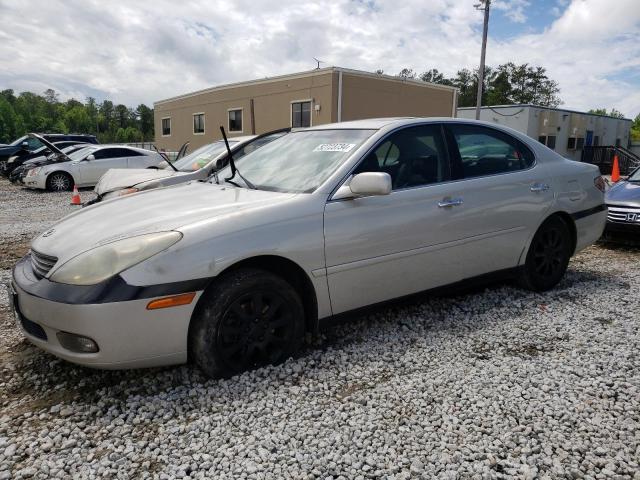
(162, 127)
(193, 123)
(310, 100)
(235, 109)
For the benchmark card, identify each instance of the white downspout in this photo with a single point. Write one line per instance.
(339, 96)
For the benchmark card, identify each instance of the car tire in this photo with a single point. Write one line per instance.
(59, 182)
(248, 318)
(548, 256)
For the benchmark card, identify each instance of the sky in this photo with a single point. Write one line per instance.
(140, 51)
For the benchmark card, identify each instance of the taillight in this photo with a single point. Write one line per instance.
(600, 183)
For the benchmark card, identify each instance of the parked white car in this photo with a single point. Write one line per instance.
(86, 166)
(198, 165)
(319, 222)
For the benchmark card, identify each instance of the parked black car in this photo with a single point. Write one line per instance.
(623, 204)
(19, 172)
(27, 145)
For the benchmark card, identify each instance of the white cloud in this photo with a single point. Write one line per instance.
(513, 9)
(136, 52)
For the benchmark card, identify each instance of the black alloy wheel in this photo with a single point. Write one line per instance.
(249, 318)
(548, 256)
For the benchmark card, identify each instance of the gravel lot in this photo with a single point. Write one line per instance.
(492, 384)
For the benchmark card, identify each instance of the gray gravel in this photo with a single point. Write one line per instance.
(492, 384)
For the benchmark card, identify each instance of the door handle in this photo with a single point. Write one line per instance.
(450, 202)
(539, 187)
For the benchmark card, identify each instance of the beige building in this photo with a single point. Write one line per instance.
(310, 98)
(565, 131)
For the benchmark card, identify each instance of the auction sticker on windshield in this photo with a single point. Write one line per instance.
(334, 147)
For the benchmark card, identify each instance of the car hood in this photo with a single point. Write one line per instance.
(119, 178)
(157, 210)
(624, 193)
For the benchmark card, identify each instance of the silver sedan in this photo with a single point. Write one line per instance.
(233, 271)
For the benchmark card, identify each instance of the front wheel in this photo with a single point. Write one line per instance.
(548, 256)
(249, 318)
(59, 182)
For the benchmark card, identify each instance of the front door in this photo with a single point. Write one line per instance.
(382, 247)
(105, 159)
(588, 139)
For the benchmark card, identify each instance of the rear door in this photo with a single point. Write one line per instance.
(105, 159)
(504, 195)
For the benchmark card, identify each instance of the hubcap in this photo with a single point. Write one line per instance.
(60, 182)
(549, 253)
(255, 330)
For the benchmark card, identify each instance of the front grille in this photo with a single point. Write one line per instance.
(624, 214)
(41, 263)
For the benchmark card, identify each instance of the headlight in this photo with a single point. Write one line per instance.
(12, 159)
(119, 193)
(105, 261)
(33, 172)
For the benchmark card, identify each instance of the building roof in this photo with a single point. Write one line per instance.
(308, 73)
(530, 105)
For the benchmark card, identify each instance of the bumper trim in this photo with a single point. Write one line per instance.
(589, 211)
(114, 289)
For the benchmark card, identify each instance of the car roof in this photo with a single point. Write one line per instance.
(367, 124)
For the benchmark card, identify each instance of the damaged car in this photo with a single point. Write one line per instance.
(18, 173)
(231, 272)
(197, 165)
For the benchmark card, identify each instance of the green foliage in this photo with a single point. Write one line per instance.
(603, 111)
(504, 85)
(29, 112)
(635, 129)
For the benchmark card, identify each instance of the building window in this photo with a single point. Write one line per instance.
(235, 120)
(198, 123)
(571, 144)
(301, 114)
(580, 143)
(166, 127)
(548, 140)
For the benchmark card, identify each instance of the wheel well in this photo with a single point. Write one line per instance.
(566, 218)
(293, 274)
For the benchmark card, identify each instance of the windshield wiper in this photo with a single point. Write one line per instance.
(166, 158)
(232, 164)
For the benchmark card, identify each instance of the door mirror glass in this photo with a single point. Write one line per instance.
(367, 184)
(90, 157)
(25, 145)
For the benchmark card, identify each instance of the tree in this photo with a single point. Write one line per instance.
(603, 111)
(407, 73)
(635, 129)
(434, 76)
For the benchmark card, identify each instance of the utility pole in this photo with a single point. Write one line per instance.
(483, 5)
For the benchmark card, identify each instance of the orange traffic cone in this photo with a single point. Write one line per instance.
(75, 199)
(615, 171)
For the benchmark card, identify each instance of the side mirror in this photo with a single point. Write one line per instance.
(365, 184)
(90, 158)
(25, 145)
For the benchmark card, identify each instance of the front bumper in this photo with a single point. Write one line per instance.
(127, 334)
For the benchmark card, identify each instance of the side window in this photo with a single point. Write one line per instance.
(485, 151)
(105, 153)
(413, 157)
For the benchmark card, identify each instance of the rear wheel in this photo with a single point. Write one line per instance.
(548, 256)
(59, 182)
(248, 319)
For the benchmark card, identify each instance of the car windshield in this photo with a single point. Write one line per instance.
(201, 157)
(299, 161)
(635, 176)
(82, 153)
